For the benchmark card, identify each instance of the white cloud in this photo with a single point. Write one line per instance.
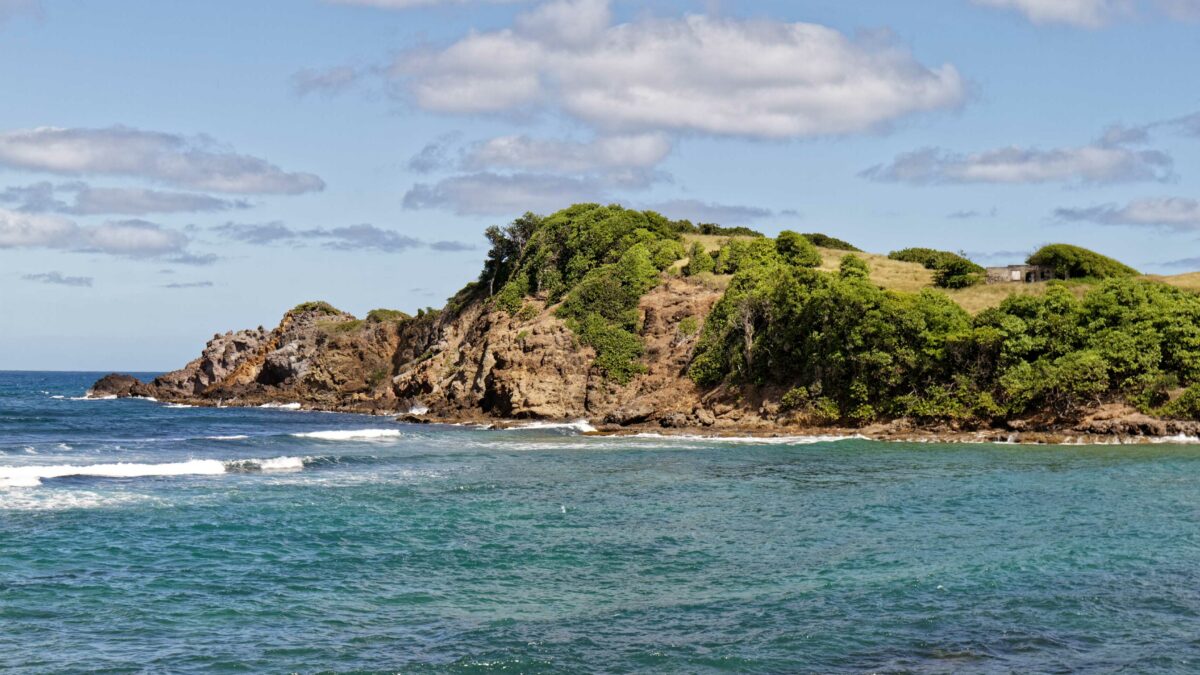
(1177, 213)
(708, 212)
(128, 238)
(487, 193)
(190, 162)
(25, 230)
(1095, 13)
(1096, 163)
(757, 78)
(43, 197)
(612, 152)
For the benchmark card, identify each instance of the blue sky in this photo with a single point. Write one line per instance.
(171, 170)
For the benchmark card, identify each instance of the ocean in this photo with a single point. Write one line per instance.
(142, 537)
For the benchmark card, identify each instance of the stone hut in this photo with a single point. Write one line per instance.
(1019, 274)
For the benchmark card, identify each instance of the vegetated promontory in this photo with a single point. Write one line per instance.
(632, 320)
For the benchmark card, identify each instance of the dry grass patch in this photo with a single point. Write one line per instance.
(712, 242)
(1189, 281)
(886, 273)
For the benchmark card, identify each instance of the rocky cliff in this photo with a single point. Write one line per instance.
(472, 364)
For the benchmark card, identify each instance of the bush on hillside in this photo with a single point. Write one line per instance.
(699, 260)
(796, 250)
(826, 241)
(853, 267)
(1074, 262)
(951, 270)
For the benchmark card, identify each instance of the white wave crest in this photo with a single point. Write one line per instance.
(178, 405)
(235, 437)
(350, 434)
(418, 410)
(89, 397)
(281, 406)
(582, 426)
(267, 465)
(32, 476)
(751, 440)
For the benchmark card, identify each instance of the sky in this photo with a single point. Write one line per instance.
(171, 170)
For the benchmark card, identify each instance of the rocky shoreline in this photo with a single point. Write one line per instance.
(479, 365)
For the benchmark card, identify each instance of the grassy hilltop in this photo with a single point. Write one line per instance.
(853, 337)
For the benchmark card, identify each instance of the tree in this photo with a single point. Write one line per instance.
(699, 260)
(796, 250)
(853, 267)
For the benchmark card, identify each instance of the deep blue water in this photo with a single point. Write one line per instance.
(441, 549)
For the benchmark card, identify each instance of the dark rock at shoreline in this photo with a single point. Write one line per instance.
(115, 384)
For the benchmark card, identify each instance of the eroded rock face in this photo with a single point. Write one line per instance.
(477, 363)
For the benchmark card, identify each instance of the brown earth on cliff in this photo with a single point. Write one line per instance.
(477, 363)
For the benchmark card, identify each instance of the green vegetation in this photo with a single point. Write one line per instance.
(951, 270)
(699, 261)
(1073, 262)
(316, 306)
(689, 326)
(826, 241)
(597, 260)
(387, 316)
(341, 326)
(853, 352)
(796, 250)
(686, 227)
(854, 267)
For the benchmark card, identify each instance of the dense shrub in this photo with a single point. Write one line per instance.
(598, 260)
(699, 260)
(826, 241)
(951, 270)
(796, 250)
(1074, 262)
(387, 315)
(874, 354)
(740, 254)
(853, 267)
(319, 306)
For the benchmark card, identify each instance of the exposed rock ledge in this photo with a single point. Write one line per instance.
(480, 365)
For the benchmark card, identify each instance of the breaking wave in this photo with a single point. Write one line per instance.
(32, 476)
(581, 426)
(350, 434)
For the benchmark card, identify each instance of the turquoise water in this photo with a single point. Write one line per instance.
(540, 550)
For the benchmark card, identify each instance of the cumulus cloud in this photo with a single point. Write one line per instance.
(486, 193)
(87, 200)
(58, 279)
(434, 155)
(127, 238)
(1096, 163)
(1095, 13)
(605, 153)
(362, 237)
(708, 212)
(1176, 213)
(196, 162)
(755, 78)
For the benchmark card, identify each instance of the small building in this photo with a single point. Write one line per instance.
(1019, 274)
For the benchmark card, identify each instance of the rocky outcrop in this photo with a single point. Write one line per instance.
(478, 362)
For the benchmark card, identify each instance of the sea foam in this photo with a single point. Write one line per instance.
(350, 434)
(32, 476)
(582, 426)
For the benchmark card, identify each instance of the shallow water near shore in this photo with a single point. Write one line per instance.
(140, 536)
